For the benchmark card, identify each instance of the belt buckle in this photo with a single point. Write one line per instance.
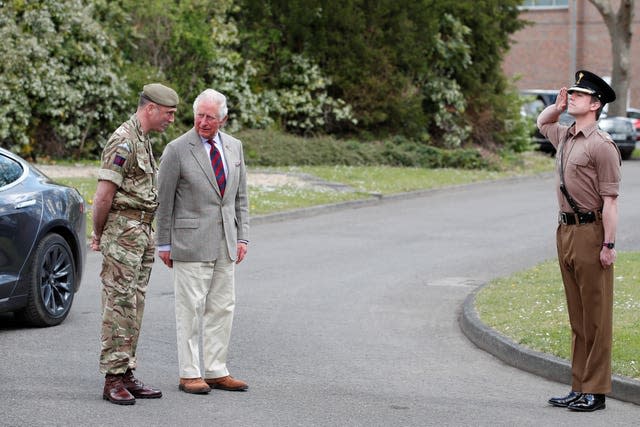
(563, 217)
(142, 213)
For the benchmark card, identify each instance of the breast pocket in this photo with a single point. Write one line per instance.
(578, 164)
(144, 162)
(145, 174)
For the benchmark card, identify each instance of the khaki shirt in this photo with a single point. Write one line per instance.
(591, 163)
(128, 162)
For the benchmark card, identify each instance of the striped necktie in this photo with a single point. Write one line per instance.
(218, 167)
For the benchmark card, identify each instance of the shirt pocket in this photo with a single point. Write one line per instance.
(579, 164)
(580, 160)
(145, 172)
(144, 162)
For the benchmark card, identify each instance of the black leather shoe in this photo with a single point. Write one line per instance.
(563, 402)
(588, 403)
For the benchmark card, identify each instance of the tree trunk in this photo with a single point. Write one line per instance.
(619, 26)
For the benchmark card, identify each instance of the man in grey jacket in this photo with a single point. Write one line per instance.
(203, 231)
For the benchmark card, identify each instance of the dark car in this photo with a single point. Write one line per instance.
(634, 114)
(42, 243)
(623, 133)
(536, 100)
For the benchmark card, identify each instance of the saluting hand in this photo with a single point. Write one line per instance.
(562, 99)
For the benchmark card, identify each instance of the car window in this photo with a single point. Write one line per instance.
(549, 98)
(533, 108)
(534, 101)
(615, 126)
(10, 171)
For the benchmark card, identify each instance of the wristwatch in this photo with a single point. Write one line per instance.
(609, 245)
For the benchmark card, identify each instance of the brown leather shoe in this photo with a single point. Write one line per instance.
(115, 391)
(137, 387)
(227, 383)
(194, 385)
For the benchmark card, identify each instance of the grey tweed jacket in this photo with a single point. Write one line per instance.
(192, 216)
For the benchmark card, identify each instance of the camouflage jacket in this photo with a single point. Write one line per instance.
(127, 161)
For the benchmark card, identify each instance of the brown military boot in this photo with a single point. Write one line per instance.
(115, 391)
(137, 387)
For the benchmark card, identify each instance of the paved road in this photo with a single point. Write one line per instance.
(348, 318)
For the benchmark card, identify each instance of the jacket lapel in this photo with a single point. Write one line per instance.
(228, 158)
(201, 158)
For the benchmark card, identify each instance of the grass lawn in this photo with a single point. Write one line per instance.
(529, 307)
(263, 200)
(364, 180)
(390, 180)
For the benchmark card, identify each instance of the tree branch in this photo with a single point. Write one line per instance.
(606, 10)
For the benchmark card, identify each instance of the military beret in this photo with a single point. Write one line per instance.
(587, 82)
(160, 94)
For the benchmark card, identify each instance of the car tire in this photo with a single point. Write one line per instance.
(626, 154)
(52, 283)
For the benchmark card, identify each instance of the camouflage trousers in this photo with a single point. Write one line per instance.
(128, 253)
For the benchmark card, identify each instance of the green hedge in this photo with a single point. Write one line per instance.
(271, 148)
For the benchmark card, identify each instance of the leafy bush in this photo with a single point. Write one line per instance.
(302, 102)
(60, 90)
(270, 148)
(445, 104)
(427, 70)
(72, 70)
(199, 47)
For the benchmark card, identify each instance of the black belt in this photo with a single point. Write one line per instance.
(572, 218)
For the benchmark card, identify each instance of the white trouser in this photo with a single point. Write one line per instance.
(205, 296)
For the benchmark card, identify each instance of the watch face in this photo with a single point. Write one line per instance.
(609, 245)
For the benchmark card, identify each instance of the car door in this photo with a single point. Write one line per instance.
(20, 216)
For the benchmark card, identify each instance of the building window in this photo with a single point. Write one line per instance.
(539, 4)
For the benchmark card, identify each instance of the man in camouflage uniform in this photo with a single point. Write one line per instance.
(124, 206)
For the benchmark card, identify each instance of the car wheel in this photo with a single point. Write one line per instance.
(52, 283)
(626, 154)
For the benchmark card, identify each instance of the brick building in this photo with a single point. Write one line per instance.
(566, 35)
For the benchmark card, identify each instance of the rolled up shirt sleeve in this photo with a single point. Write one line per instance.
(609, 173)
(114, 162)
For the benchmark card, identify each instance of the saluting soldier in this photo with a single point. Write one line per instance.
(124, 206)
(588, 181)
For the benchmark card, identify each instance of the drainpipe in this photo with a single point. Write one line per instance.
(573, 12)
